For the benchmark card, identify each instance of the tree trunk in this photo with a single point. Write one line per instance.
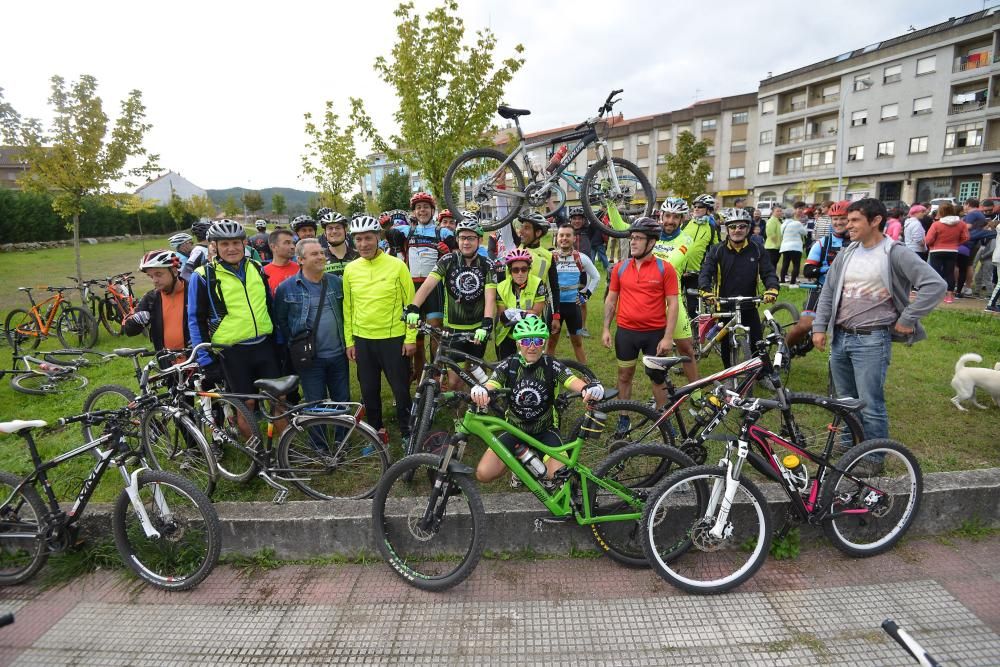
(76, 246)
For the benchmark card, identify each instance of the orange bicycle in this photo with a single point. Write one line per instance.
(74, 326)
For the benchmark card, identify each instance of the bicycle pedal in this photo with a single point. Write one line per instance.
(280, 497)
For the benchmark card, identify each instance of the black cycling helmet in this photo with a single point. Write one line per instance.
(200, 229)
(647, 226)
(534, 218)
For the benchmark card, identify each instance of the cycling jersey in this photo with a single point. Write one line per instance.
(421, 249)
(572, 269)
(674, 248)
(375, 291)
(642, 290)
(703, 235)
(465, 289)
(531, 405)
(335, 265)
(197, 258)
(829, 246)
(259, 243)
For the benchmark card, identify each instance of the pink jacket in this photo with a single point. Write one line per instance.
(893, 229)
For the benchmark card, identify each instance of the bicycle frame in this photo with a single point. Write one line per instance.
(45, 324)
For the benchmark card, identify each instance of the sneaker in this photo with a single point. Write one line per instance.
(949, 299)
(514, 481)
(624, 424)
(583, 332)
(991, 309)
(966, 291)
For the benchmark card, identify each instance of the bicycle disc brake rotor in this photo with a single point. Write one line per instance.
(536, 195)
(704, 540)
(413, 521)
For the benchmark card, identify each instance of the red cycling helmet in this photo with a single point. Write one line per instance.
(445, 214)
(425, 197)
(839, 208)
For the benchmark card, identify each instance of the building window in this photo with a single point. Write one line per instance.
(793, 164)
(923, 105)
(855, 153)
(738, 147)
(767, 106)
(642, 163)
(798, 102)
(764, 167)
(708, 125)
(967, 190)
(819, 158)
(682, 129)
(918, 144)
(741, 117)
(859, 118)
(926, 65)
(660, 159)
(710, 151)
(890, 111)
(618, 145)
(767, 137)
(886, 149)
(862, 82)
(642, 140)
(710, 177)
(965, 138)
(663, 135)
(831, 93)
(737, 172)
(892, 74)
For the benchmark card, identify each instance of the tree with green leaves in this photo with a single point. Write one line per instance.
(448, 91)
(357, 204)
(77, 159)
(394, 191)
(685, 172)
(135, 205)
(331, 158)
(200, 207)
(278, 203)
(230, 206)
(252, 201)
(176, 209)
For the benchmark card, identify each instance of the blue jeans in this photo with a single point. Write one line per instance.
(601, 251)
(859, 364)
(327, 377)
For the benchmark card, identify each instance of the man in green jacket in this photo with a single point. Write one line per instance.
(772, 234)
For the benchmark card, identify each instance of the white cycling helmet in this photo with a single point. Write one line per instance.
(675, 205)
(226, 229)
(708, 201)
(332, 218)
(260, 224)
(736, 215)
(179, 239)
(160, 259)
(364, 223)
(468, 223)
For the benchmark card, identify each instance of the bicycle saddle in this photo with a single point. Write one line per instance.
(845, 402)
(19, 425)
(130, 351)
(663, 363)
(277, 386)
(510, 112)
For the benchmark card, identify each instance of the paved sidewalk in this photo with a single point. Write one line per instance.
(821, 608)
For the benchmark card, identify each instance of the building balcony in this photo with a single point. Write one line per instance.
(973, 61)
(964, 150)
(967, 107)
(819, 100)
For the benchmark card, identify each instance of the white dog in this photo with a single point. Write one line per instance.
(967, 379)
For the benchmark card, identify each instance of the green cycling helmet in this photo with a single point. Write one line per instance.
(531, 326)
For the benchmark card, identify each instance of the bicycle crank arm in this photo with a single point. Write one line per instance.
(282, 491)
(132, 489)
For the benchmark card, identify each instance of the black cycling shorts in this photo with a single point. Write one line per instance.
(433, 306)
(628, 345)
(243, 364)
(470, 347)
(549, 437)
(811, 302)
(572, 317)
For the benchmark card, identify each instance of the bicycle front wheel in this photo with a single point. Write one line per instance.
(686, 547)
(76, 328)
(478, 180)
(432, 537)
(332, 457)
(635, 199)
(23, 551)
(871, 512)
(106, 397)
(22, 329)
(188, 540)
(638, 468)
(172, 442)
(39, 384)
(237, 425)
(77, 357)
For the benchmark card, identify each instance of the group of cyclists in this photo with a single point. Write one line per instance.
(359, 288)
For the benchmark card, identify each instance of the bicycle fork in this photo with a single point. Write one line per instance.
(132, 489)
(724, 495)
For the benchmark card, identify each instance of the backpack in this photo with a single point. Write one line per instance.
(622, 264)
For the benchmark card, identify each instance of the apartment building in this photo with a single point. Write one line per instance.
(379, 165)
(910, 118)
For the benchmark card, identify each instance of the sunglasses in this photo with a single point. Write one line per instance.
(519, 269)
(738, 227)
(531, 342)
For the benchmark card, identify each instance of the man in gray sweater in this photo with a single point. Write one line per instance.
(865, 306)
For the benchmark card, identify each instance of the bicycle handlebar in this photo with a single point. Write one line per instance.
(911, 646)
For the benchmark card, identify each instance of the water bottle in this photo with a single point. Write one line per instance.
(796, 471)
(593, 424)
(479, 374)
(713, 331)
(527, 456)
(556, 158)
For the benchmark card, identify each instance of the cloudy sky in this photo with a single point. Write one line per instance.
(226, 83)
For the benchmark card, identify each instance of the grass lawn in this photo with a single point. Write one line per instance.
(918, 386)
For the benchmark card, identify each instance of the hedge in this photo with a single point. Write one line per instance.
(29, 217)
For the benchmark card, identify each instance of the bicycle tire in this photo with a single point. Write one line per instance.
(96, 307)
(227, 413)
(172, 443)
(105, 397)
(22, 329)
(40, 384)
(76, 328)
(676, 532)
(639, 467)
(350, 468)
(841, 493)
(785, 314)
(22, 557)
(190, 535)
(412, 552)
(512, 169)
(638, 427)
(77, 357)
(580, 369)
(629, 213)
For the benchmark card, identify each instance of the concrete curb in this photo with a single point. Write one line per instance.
(303, 529)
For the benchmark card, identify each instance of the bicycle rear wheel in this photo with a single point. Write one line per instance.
(636, 199)
(639, 468)
(677, 523)
(172, 442)
(628, 422)
(234, 419)
(39, 384)
(76, 328)
(22, 329)
(23, 551)
(432, 537)
(817, 422)
(189, 540)
(873, 512)
(332, 457)
(475, 181)
(106, 397)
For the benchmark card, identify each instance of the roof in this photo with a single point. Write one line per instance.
(7, 157)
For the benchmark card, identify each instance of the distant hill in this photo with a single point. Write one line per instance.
(296, 201)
